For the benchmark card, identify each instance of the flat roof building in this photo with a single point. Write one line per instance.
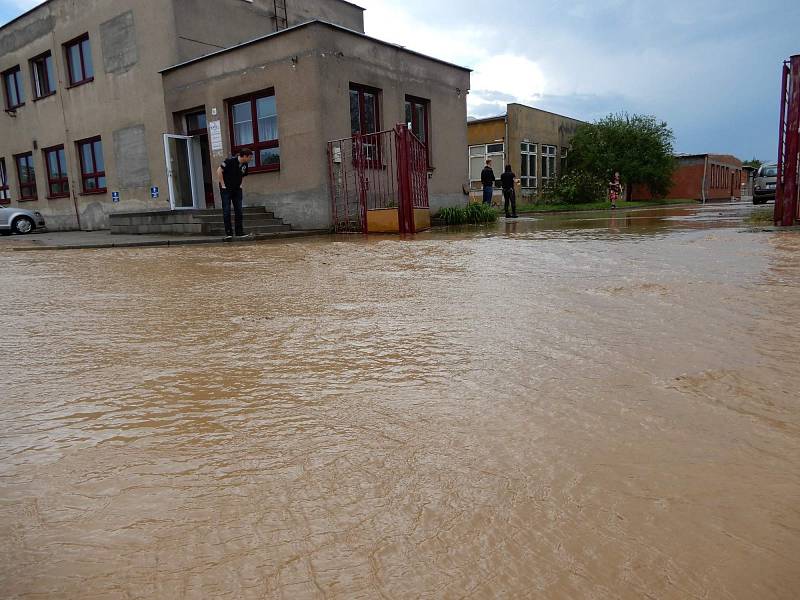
(701, 177)
(126, 108)
(534, 142)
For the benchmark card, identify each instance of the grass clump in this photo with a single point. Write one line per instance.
(472, 214)
(761, 217)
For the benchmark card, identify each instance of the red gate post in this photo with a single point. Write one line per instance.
(405, 204)
(361, 175)
(786, 203)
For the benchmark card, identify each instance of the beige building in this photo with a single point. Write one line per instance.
(534, 142)
(112, 106)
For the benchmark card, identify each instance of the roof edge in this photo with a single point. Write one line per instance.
(25, 14)
(301, 26)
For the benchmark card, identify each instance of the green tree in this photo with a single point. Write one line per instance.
(754, 162)
(639, 147)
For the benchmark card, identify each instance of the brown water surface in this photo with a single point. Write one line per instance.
(568, 407)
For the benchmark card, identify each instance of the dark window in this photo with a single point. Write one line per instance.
(5, 196)
(93, 167)
(196, 123)
(418, 118)
(12, 86)
(43, 76)
(254, 125)
(56, 165)
(27, 176)
(364, 110)
(79, 60)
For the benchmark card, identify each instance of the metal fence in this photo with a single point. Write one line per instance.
(384, 170)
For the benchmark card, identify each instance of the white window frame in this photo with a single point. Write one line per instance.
(549, 155)
(529, 153)
(482, 151)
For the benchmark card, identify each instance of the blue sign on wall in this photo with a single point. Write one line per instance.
(115, 196)
(154, 192)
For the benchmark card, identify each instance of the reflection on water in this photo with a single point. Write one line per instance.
(584, 406)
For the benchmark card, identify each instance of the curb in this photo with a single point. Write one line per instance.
(264, 237)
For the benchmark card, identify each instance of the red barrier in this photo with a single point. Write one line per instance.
(787, 206)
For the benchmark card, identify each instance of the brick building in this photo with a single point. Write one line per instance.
(701, 177)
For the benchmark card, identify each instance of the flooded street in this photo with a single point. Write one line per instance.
(564, 407)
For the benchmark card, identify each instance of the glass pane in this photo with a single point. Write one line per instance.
(26, 172)
(242, 124)
(100, 163)
(355, 113)
(475, 167)
(87, 164)
(20, 87)
(524, 169)
(62, 163)
(270, 156)
(409, 114)
(101, 182)
(87, 59)
(76, 70)
(477, 150)
(50, 74)
(179, 173)
(90, 184)
(11, 90)
(420, 129)
(532, 171)
(196, 121)
(267, 115)
(52, 164)
(370, 114)
(55, 189)
(492, 148)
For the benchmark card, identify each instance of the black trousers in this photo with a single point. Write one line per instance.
(510, 196)
(232, 197)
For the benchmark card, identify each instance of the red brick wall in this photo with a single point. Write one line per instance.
(723, 181)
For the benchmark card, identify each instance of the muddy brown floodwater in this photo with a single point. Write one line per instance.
(571, 407)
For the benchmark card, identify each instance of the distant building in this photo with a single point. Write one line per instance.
(124, 106)
(701, 177)
(534, 142)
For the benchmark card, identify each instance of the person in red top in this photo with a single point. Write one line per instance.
(614, 190)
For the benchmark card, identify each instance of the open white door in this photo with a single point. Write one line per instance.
(184, 172)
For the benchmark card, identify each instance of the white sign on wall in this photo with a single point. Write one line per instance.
(215, 136)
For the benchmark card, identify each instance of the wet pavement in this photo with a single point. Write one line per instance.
(572, 406)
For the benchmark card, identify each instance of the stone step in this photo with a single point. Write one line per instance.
(261, 219)
(247, 210)
(254, 229)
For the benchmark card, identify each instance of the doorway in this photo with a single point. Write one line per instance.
(197, 127)
(184, 171)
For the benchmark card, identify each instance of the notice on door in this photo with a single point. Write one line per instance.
(215, 136)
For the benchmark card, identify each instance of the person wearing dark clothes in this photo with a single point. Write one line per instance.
(507, 180)
(230, 174)
(487, 179)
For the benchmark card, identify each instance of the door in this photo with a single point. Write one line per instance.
(184, 171)
(197, 127)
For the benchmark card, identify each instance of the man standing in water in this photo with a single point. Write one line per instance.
(487, 179)
(508, 179)
(230, 174)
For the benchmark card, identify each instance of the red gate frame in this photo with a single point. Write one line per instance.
(786, 188)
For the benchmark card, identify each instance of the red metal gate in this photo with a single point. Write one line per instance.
(377, 171)
(787, 204)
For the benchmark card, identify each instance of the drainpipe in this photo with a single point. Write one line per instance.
(705, 173)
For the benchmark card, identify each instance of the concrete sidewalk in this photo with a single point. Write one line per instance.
(75, 240)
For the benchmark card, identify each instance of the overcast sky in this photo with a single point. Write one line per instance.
(710, 68)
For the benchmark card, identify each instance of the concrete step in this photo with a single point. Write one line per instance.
(207, 217)
(254, 229)
(250, 220)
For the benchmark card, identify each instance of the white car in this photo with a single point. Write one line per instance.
(19, 220)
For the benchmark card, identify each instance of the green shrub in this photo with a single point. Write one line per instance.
(577, 187)
(472, 214)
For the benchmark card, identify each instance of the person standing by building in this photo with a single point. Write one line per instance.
(507, 180)
(487, 179)
(614, 190)
(230, 174)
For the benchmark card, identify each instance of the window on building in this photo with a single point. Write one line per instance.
(43, 76)
(548, 164)
(418, 119)
(196, 123)
(528, 165)
(12, 87)
(5, 196)
(478, 155)
(564, 156)
(56, 164)
(364, 110)
(93, 167)
(254, 125)
(26, 173)
(79, 60)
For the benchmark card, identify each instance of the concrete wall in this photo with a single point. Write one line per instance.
(311, 70)
(129, 44)
(486, 132)
(333, 11)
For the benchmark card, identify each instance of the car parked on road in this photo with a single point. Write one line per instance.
(19, 220)
(764, 183)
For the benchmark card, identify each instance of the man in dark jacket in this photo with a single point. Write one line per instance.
(508, 179)
(230, 174)
(487, 179)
